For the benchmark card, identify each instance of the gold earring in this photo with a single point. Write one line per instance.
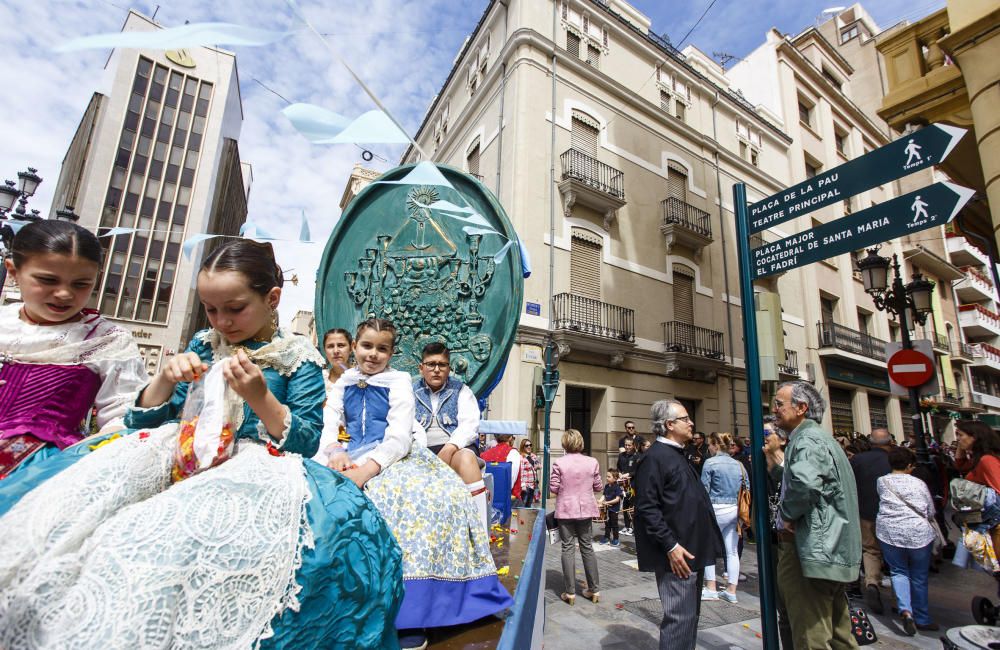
(274, 319)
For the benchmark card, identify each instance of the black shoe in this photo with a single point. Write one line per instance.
(412, 639)
(873, 599)
(909, 626)
(928, 627)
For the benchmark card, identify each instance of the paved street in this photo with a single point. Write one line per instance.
(629, 612)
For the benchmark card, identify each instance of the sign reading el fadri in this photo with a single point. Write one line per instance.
(925, 208)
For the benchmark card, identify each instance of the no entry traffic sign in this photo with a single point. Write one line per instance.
(910, 368)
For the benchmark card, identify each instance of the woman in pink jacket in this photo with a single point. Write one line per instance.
(575, 480)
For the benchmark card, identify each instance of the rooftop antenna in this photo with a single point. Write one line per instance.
(724, 58)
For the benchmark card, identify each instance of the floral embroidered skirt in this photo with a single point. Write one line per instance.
(448, 572)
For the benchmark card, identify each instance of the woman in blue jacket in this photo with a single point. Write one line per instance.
(722, 476)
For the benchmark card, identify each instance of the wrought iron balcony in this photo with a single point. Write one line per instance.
(848, 340)
(693, 340)
(685, 224)
(948, 399)
(961, 352)
(589, 316)
(578, 166)
(588, 181)
(791, 364)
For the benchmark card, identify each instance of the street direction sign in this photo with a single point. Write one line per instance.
(910, 368)
(910, 153)
(929, 387)
(934, 205)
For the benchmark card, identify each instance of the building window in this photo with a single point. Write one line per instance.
(828, 309)
(755, 158)
(472, 159)
(573, 44)
(585, 264)
(849, 33)
(841, 411)
(584, 132)
(593, 56)
(684, 296)
(805, 113)
(811, 169)
(876, 412)
(681, 110)
(840, 140)
(829, 76)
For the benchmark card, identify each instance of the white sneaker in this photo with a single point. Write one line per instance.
(626, 531)
(726, 596)
(709, 595)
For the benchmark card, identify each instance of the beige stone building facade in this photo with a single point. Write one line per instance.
(617, 155)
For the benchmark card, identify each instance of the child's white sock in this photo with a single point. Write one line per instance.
(478, 493)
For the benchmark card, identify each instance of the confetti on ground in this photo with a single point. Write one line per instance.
(504, 570)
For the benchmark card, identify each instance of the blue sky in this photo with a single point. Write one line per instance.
(402, 49)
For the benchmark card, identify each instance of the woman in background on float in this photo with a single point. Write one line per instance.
(448, 571)
(265, 549)
(59, 360)
(337, 348)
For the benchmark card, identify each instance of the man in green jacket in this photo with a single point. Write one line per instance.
(819, 537)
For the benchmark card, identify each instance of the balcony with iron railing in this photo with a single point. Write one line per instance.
(947, 398)
(685, 224)
(985, 391)
(961, 353)
(590, 182)
(845, 339)
(974, 287)
(978, 321)
(692, 352)
(791, 365)
(593, 317)
(964, 253)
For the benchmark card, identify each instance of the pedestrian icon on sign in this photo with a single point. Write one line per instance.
(912, 151)
(919, 209)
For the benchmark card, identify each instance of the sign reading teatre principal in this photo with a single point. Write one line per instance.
(910, 153)
(930, 206)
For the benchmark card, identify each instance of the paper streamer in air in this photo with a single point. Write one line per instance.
(424, 173)
(304, 235)
(503, 252)
(322, 126)
(193, 35)
(525, 259)
(191, 242)
(117, 230)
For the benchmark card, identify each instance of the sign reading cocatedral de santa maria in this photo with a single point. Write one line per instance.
(934, 205)
(910, 153)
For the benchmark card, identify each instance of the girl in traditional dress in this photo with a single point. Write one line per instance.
(263, 550)
(448, 572)
(59, 360)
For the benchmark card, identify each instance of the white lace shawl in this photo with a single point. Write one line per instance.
(285, 352)
(108, 554)
(94, 342)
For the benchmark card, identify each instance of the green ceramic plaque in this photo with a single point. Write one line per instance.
(427, 248)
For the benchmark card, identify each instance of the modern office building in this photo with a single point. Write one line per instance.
(156, 150)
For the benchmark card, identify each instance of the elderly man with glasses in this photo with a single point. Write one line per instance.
(676, 535)
(818, 526)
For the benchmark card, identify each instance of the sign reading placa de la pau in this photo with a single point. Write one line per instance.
(934, 205)
(910, 153)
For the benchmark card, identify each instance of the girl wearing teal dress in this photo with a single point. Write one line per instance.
(267, 549)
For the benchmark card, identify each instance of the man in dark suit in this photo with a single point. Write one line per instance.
(676, 535)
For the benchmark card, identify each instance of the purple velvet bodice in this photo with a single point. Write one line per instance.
(49, 402)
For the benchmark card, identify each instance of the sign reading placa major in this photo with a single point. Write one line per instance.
(910, 153)
(934, 205)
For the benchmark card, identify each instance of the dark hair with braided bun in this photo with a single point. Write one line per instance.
(56, 237)
(253, 259)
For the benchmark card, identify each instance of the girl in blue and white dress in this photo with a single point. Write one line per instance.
(448, 572)
(266, 549)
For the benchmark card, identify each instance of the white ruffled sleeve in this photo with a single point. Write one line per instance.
(121, 381)
(467, 430)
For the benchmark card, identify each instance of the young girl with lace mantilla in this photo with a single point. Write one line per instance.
(448, 572)
(57, 359)
(265, 549)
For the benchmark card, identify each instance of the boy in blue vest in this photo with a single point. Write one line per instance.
(447, 415)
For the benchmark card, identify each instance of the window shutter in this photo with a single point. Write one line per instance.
(584, 134)
(573, 44)
(876, 408)
(677, 181)
(683, 295)
(841, 412)
(472, 159)
(585, 264)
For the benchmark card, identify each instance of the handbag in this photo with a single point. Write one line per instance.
(861, 627)
(744, 504)
(939, 538)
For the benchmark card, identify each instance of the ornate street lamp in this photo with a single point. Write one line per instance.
(28, 181)
(910, 303)
(8, 194)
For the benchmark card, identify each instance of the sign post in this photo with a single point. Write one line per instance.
(931, 206)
